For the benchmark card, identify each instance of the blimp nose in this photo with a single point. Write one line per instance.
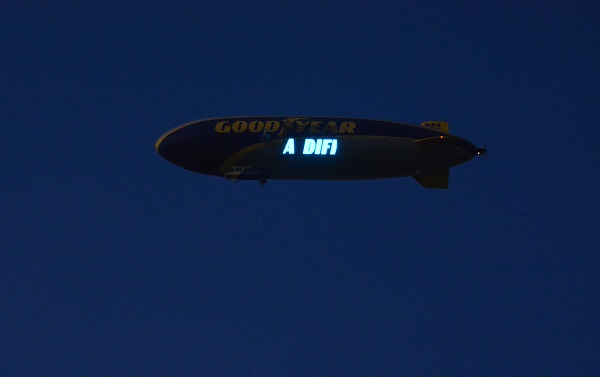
(157, 145)
(173, 148)
(165, 147)
(185, 147)
(469, 148)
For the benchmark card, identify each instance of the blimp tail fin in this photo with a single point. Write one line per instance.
(436, 125)
(435, 180)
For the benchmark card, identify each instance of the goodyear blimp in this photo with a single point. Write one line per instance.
(261, 148)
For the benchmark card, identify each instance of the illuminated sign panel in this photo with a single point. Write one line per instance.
(313, 146)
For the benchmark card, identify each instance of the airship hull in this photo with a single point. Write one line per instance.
(313, 148)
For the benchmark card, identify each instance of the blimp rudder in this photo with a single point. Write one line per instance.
(434, 180)
(437, 125)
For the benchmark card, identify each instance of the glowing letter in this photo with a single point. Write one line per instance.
(333, 147)
(325, 147)
(289, 147)
(318, 147)
(309, 146)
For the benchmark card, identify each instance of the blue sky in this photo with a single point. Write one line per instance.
(115, 262)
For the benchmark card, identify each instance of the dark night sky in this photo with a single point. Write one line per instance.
(115, 262)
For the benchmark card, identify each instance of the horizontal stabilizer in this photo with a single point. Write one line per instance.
(436, 125)
(435, 141)
(436, 180)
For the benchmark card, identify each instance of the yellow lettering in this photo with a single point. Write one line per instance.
(314, 127)
(223, 127)
(347, 127)
(272, 126)
(301, 125)
(239, 126)
(256, 126)
(331, 127)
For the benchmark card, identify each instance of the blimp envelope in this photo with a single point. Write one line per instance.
(323, 148)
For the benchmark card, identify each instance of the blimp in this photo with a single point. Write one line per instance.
(316, 148)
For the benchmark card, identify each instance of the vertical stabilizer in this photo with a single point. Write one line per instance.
(435, 180)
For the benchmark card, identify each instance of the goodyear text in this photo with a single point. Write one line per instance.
(293, 125)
